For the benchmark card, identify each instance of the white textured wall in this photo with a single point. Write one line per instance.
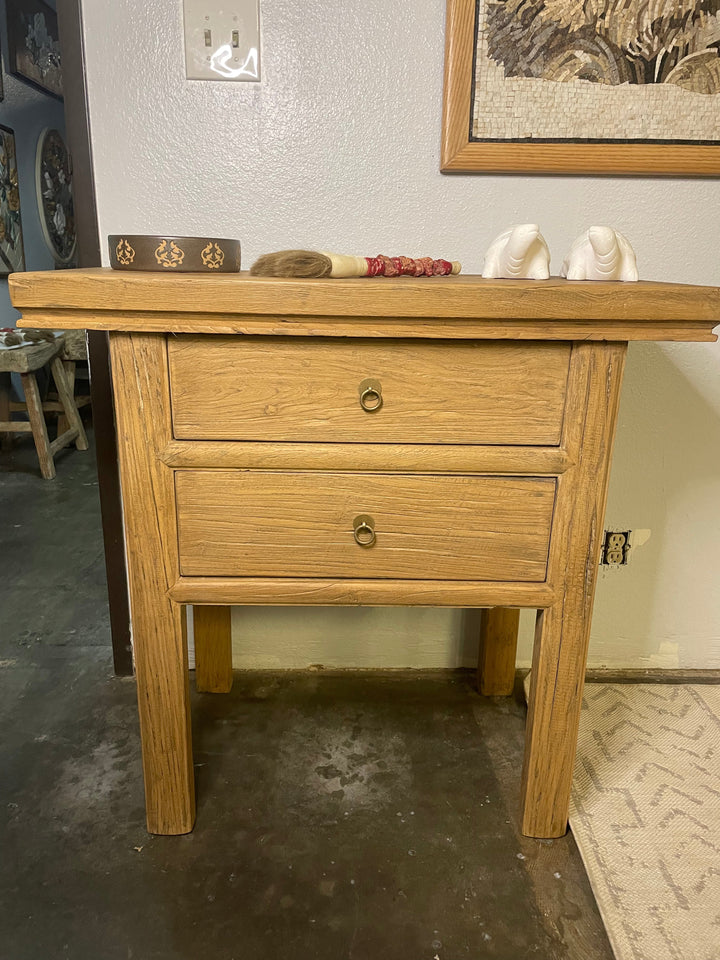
(338, 147)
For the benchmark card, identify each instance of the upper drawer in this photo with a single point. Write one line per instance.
(310, 389)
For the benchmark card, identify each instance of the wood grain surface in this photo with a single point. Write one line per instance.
(485, 478)
(563, 630)
(212, 632)
(105, 299)
(368, 457)
(284, 524)
(383, 327)
(6, 424)
(139, 364)
(230, 388)
(67, 401)
(29, 357)
(353, 592)
(497, 651)
(38, 425)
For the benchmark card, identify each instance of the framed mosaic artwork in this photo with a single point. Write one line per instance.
(34, 45)
(53, 181)
(12, 253)
(558, 86)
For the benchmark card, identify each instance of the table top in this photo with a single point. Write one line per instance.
(27, 357)
(466, 306)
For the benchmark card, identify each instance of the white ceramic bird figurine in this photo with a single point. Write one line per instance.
(600, 253)
(519, 253)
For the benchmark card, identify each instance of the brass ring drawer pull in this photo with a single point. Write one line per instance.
(364, 530)
(370, 391)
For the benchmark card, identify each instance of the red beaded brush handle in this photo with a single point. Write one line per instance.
(382, 266)
(308, 263)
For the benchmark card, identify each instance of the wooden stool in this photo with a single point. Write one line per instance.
(25, 360)
(74, 349)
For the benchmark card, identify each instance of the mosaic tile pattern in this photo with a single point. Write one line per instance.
(604, 69)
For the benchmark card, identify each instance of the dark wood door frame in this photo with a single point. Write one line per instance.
(77, 126)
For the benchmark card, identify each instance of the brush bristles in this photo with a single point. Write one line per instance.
(292, 263)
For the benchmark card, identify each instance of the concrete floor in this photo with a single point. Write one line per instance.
(369, 817)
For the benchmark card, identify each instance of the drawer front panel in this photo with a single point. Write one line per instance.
(301, 524)
(309, 389)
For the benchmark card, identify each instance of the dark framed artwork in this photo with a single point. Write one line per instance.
(34, 45)
(53, 182)
(560, 86)
(12, 253)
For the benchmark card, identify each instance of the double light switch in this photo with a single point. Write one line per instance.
(222, 40)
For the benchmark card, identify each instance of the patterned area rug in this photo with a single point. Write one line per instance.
(645, 813)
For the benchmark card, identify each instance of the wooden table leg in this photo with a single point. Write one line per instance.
(158, 624)
(213, 649)
(68, 402)
(39, 427)
(556, 685)
(563, 631)
(6, 438)
(63, 423)
(498, 649)
(160, 648)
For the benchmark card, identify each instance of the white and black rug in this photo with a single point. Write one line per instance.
(645, 812)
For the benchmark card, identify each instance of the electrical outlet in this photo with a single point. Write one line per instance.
(615, 547)
(222, 39)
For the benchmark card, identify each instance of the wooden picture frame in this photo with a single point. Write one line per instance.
(34, 45)
(461, 153)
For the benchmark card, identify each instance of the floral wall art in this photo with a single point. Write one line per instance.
(34, 45)
(12, 256)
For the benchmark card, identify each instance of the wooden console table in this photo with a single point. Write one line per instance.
(441, 441)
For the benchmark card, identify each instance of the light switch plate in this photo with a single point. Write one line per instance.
(222, 39)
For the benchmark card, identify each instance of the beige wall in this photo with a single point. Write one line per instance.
(338, 147)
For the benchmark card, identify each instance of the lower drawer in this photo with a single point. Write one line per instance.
(307, 524)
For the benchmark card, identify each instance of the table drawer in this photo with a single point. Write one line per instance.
(302, 524)
(309, 389)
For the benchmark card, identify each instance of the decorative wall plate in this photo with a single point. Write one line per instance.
(12, 255)
(174, 254)
(53, 179)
